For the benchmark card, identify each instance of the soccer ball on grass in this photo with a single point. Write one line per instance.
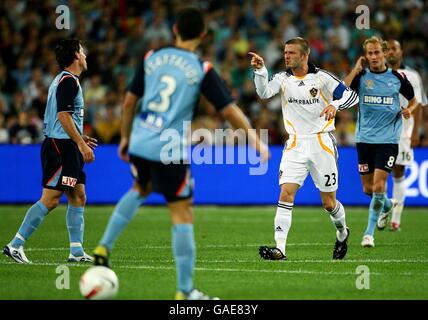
(99, 283)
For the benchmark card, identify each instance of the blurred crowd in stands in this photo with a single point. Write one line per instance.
(117, 33)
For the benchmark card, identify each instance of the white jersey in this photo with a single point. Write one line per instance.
(416, 82)
(304, 98)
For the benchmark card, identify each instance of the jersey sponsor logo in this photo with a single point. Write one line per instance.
(68, 181)
(369, 84)
(363, 167)
(376, 100)
(313, 92)
(303, 101)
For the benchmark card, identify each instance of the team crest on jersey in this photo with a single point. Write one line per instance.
(313, 92)
(369, 84)
(68, 181)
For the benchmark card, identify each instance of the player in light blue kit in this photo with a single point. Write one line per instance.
(170, 81)
(379, 125)
(63, 154)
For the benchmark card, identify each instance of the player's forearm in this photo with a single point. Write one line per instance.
(69, 127)
(264, 88)
(348, 79)
(128, 112)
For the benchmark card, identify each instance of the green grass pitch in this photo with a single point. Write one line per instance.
(228, 264)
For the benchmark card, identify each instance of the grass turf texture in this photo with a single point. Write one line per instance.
(228, 264)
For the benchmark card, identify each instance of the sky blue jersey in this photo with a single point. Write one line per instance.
(379, 113)
(65, 95)
(170, 81)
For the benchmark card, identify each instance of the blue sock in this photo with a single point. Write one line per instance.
(122, 215)
(33, 218)
(376, 205)
(183, 246)
(387, 205)
(75, 226)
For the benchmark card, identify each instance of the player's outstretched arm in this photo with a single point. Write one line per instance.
(256, 61)
(355, 71)
(264, 88)
(69, 127)
(238, 120)
(128, 111)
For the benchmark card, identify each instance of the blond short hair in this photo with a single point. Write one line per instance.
(374, 40)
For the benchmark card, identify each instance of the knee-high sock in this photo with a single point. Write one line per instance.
(376, 206)
(33, 218)
(183, 246)
(387, 205)
(75, 227)
(282, 224)
(399, 194)
(122, 215)
(338, 218)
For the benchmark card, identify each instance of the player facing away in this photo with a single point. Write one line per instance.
(308, 108)
(409, 135)
(63, 154)
(379, 126)
(170, 81)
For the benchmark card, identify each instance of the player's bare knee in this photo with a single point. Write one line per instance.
(286, 196)
(379, 186)
(144, 191)
(51, 203)
(80, 200)
(329, 204)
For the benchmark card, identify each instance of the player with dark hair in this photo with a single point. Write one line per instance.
(63, 154)
(170, 81)
(409, 135)
(379, 125)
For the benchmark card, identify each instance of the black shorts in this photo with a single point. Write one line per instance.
(62, 164)
(174, 181)
(376, 156)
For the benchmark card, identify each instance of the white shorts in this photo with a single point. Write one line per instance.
(405, 152)
(315, 154)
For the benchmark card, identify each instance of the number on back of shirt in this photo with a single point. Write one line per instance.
(165, 95)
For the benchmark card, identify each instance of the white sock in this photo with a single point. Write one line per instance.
(282, 224)
(399, 194)
(337, 216)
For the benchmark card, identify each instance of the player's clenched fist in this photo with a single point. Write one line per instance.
(256, 61)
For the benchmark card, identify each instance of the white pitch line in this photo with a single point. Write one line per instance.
(256, 245)
(287, 262)
(299, 271)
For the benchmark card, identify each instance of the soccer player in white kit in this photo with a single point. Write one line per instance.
(409, 136)
(308, 109)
